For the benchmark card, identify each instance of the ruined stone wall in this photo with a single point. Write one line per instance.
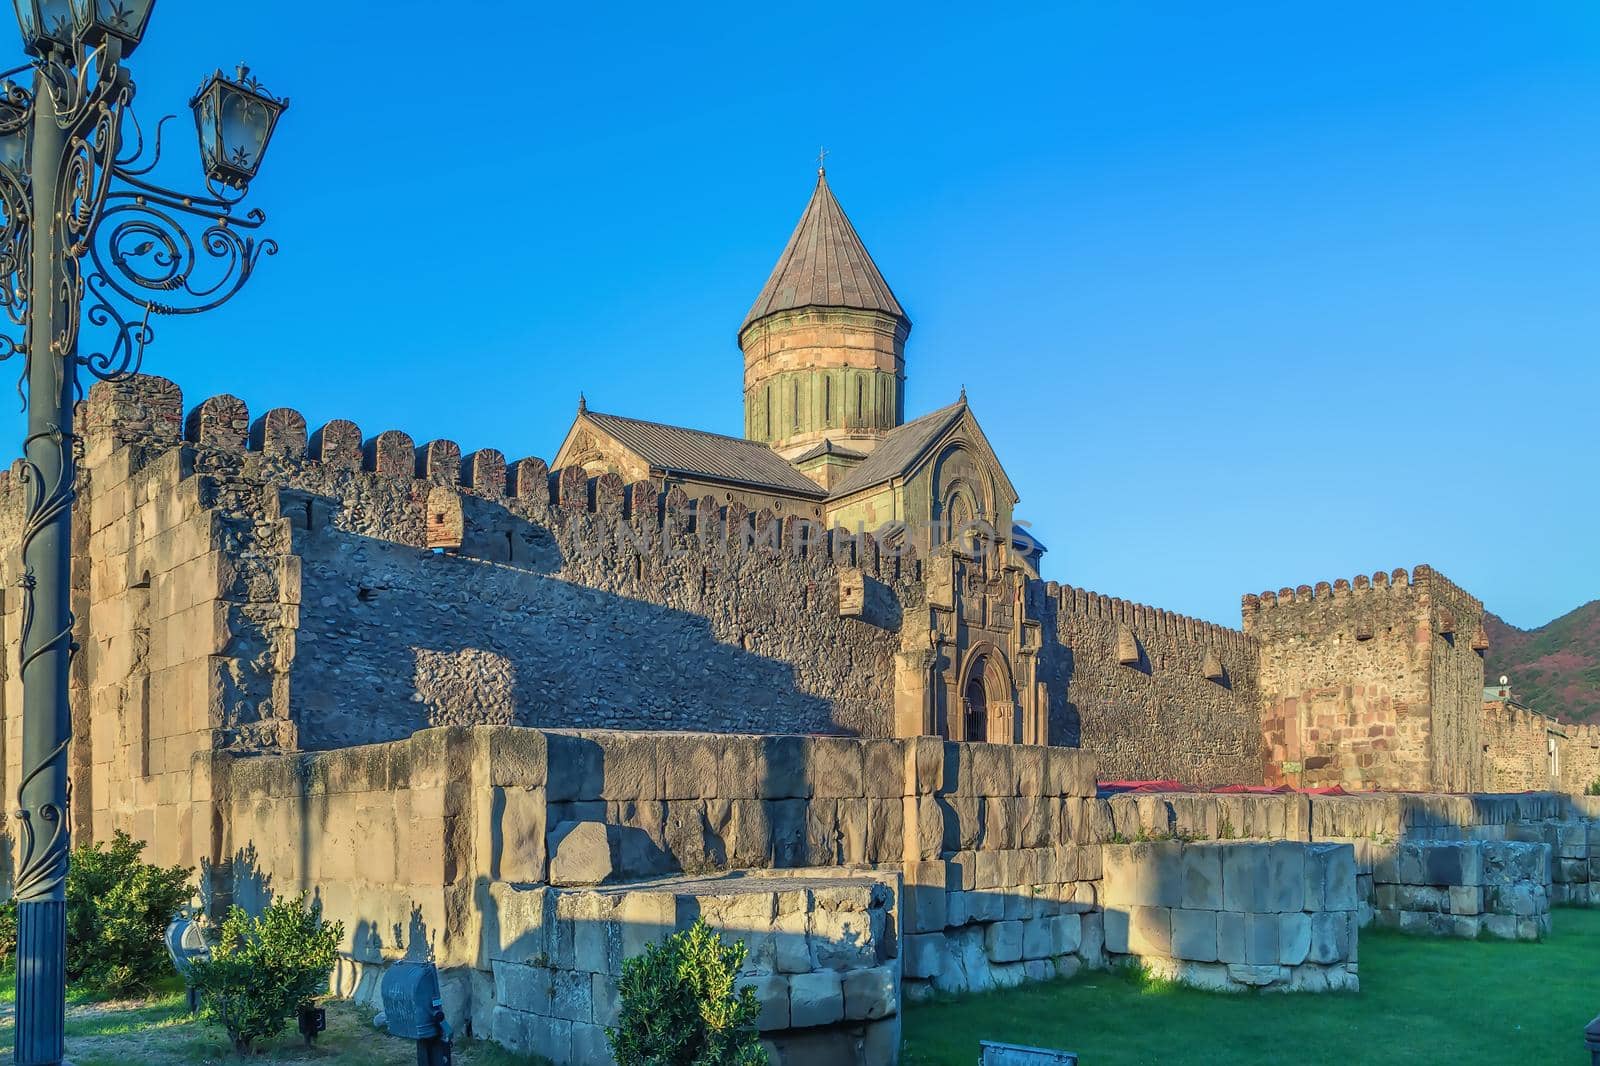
(1152, 694)
(1345, 683)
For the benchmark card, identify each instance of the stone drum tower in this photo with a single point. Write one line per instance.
(824, 346)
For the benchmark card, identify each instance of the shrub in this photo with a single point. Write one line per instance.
(1593, 789)
(680, 1007)
(117, 910)
(263, 969)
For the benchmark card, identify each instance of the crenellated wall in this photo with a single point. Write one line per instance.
(1527, 750)
(1375, 683)
(244, 586)
(1154, 695)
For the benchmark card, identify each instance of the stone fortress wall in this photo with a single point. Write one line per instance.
(1529, 750)
(246, 586)
(1371, 683)
(283, 685)
(1154, 695)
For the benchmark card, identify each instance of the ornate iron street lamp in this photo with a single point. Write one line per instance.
(88, 240)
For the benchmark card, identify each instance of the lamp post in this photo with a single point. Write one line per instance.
(88, 241)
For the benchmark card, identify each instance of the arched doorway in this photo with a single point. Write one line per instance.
(975, 707)
(988, 708)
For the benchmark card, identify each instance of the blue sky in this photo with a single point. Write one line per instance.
(1245, 295)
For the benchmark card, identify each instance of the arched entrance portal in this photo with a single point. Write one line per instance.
(988, 710)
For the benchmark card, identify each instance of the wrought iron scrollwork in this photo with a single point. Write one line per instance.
(154, 251)
(41, 862)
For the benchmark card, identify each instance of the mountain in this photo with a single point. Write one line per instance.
(1555, 668)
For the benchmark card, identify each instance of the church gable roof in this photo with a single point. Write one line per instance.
(824, 265)
(695, 453)
(907, 446)
(900, 450)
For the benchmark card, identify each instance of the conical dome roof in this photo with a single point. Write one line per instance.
(825, 265)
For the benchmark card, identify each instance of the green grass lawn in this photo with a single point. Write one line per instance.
(159, 1029)
(1421, 1001)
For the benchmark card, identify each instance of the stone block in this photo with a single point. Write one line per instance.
(1194, 935)
(834, 768)
(1038, 938)
(1116, 931)
(605, 998)
(1257, 975)
(1150, 931)
(1003, 941)
(841, 939)
(1144, 874)
(925, 896)
(1202, 878)
(1452, 863)
(1093, 945)
(870, 994)
(985, 905)
(923, 955)
(1261, 939)
(772, 993)
(576, 768)
(521, 987)
(689, 767)
(1330, 937)
(1466, 899)
(1294, 938)
(581, 854)
(993, 771)
(779, 767)
(815, 999)
(570, 996)
(1245, 877)
(518, 834)
(589, 1043)
(1066, 931)
(509, 1029)
(550, 1038)
(1286, 884)
(884, 769)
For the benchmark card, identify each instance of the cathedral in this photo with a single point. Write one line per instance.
(825, 430)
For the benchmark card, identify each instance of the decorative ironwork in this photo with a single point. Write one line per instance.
(87, 237)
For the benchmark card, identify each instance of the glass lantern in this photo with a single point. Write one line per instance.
(46, 25)
(235, 118)
(16, 148)
(97, 20)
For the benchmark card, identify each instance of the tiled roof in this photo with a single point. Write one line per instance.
(897, 451)
(824, 265)
(708, 455)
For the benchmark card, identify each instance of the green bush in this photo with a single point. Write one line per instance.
(680, 1007)
(117, 910)
(263, 969)
(1593, 789)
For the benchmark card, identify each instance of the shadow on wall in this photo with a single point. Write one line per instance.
(393, 639)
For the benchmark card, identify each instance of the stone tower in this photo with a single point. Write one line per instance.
(824, 345)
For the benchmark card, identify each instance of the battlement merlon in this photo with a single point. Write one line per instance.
(146, 412)
(1082, 603)
(1447, 607)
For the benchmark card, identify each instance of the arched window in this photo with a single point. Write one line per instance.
(796, 420)
(827, 401)
(860, 391)
(769, 412)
